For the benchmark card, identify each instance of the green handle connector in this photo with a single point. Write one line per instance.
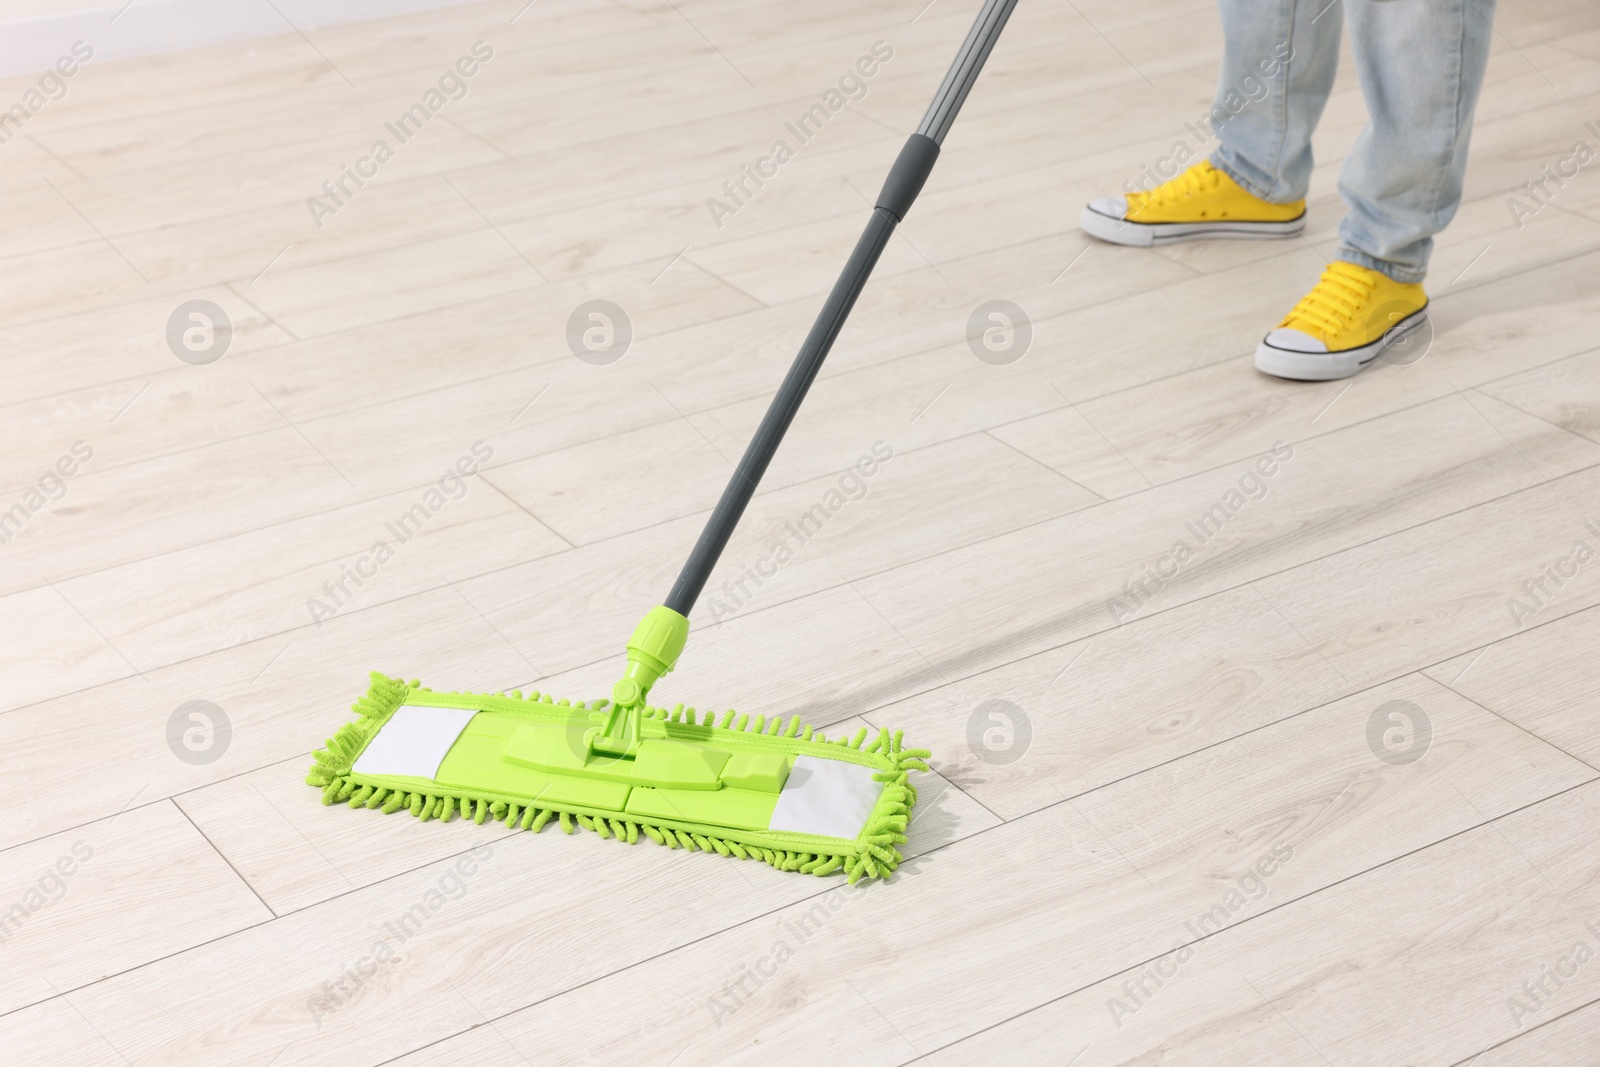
(653, 650)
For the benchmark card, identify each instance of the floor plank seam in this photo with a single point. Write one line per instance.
(1536, 367)
(866, 715)
(233, 287)
(1553, 425)
(1258, 577)
(483, 475)
(964, 677)
(275, 917)
(1469, 1061)
(434, 177)
(989, 433)
(1071, 405)
(567, 44)
(970, 837)
(877, 365)
(847, 147)
(1065, 99)
(1217, 721)
(223, 857)
(1511, 722)
(884, 363)
(950, 844)
(975, 834)
(1285, 904)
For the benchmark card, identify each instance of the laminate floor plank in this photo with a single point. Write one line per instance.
(280, 699)
(96, 900)
(1067, 721)
(1293, 681)
(1419, 606)
(1566, 1038)
(1562, 392)
(1225, 411)
(295, 856)
(1424, 955)
(197, 600)
(1090, 571)
(999, 920)
(1542, 676)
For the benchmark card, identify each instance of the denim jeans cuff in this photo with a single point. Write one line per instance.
(1392, 271)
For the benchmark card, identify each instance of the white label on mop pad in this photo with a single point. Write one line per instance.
(827, 797)
(414, 741)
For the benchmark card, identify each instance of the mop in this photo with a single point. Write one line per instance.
(746, 786)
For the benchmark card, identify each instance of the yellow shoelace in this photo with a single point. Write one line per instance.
(1202, 177)
(1333, 303)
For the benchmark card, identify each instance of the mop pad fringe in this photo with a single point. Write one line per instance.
(874, 854)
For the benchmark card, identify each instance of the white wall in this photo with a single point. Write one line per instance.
(34, 33)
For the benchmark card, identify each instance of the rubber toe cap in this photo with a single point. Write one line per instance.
(1295, 341)
(1112, 207)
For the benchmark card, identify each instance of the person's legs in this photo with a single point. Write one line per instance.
(1279, 59)
(1291, 47)
(1421, 64)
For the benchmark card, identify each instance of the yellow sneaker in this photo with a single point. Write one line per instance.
(1342, 324)
(1200, 202)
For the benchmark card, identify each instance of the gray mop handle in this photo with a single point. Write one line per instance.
(900, 189)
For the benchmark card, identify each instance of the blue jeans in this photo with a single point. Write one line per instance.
(1421, 65)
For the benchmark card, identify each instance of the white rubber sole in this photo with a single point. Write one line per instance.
(1331, 366)
(1145, 234)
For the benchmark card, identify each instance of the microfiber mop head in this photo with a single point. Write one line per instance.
(752, 788)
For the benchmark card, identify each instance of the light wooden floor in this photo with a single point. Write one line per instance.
(1185, 850)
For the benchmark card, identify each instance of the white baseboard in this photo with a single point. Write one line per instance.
(144, 27)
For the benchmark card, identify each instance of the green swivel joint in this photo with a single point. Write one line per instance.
(653, 650)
